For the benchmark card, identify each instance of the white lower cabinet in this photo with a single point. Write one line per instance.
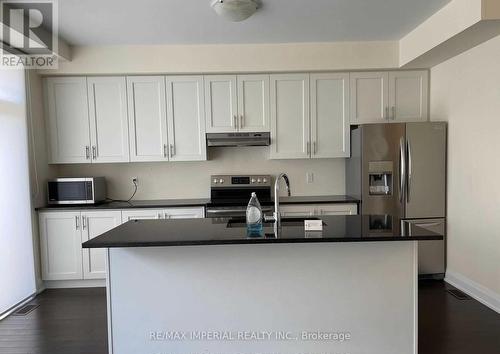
(61, 245)
(169, 213)
(184, 213)
(95, 223)
(61, 237)
(141, 214)
(296, 210)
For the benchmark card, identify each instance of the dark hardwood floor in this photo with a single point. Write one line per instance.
(68, 321)
(73, 321)
(448, 325)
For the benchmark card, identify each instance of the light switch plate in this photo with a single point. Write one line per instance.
(313, 225)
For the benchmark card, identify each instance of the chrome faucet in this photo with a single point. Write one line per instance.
(277, 214)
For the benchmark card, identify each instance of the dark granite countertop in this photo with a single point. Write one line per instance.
(166, 203)
(190, 232)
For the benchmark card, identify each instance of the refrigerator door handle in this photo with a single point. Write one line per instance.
(410, 171)
(402, 169)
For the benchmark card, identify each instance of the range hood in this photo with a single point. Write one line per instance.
(238, 139)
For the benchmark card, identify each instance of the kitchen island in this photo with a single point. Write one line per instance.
(202, 286)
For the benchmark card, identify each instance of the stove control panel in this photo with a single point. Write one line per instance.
(240, 180)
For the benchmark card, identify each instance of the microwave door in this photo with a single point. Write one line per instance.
(68, 192)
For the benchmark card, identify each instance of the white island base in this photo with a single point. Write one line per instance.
(310, 298)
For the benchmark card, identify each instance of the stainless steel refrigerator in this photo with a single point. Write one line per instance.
(399, 170)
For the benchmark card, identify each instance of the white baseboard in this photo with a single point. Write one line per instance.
(482, 294)
(63, 284)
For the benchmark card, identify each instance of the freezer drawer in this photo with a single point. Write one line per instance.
(431, 254)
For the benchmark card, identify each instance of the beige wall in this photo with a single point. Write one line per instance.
(230, 58)
(40, 171)
(465, 91)
(164, 180)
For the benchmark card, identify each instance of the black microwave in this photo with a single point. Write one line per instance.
(85, 190)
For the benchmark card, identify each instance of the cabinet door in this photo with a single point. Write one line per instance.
(68, 119)
(147, 118)
(184, 213)
(108, 119)
(141, 214)
(186, 118)
(95, 223)
(330, 130)
(221, 103)
(253, 103)
(296, 210)
(369, 97)
(290, 116)
(408, 96)
(61, 245)
(336, 209)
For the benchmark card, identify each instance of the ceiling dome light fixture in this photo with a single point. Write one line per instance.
(235, 10)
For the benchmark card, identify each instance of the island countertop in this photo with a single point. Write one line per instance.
(193, 232)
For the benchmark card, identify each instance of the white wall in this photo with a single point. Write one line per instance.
(17, 276)
(164, 180)
(465, 91)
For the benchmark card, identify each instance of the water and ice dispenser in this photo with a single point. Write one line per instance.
(380, 174)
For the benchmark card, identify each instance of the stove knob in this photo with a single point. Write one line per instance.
(221, 181)
(216, 181)
(253, 180)
(264, 180)
(259, 180)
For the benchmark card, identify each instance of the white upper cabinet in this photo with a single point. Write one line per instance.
(68, 119)
(108, 119)
(221, 103)
(290, 132)
(186, 118)
(95, 223)
(147, 118)
(253, 103)
(408, 96)
(369, 97)
(330, 130)
(61, 245)
(389, 97)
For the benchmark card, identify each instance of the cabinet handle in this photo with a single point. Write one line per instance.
(77, 222)
(235, 122)
(159, 215)
(84, 223)
(87, 152)
(172, 150)
(387, 113)
(242, 121)
(164, 150)
(314, 148)
(393, 112)
(94, 152)
(308, 147)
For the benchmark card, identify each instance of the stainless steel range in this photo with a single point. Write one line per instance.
(230, 194)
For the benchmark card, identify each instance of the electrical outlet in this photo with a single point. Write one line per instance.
(135, 180)
(309, 177)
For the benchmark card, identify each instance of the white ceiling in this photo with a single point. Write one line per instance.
(108, 22)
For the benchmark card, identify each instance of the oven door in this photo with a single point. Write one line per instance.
(71, 191)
